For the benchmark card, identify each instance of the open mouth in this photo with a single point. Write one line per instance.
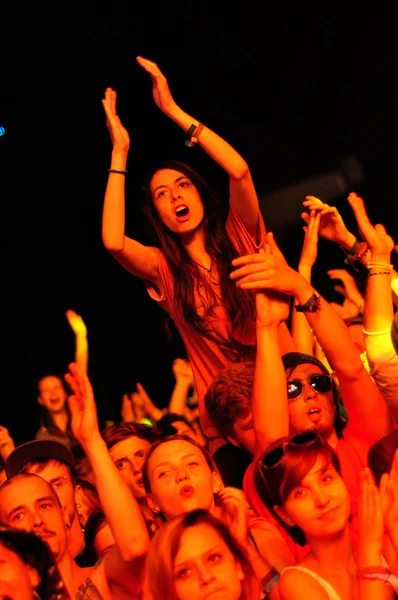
(139, 481)
(187, 491)
(314, 411)
(182, 211)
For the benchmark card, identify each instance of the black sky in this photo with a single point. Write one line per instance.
(295, 91)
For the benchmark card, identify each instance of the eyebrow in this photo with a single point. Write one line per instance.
(189, 561)
(175, 181)
(167, 462)
(22, 506)
(55, 479)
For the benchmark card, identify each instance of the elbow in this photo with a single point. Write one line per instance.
(241, 171)
(138, 548)
(113, 246)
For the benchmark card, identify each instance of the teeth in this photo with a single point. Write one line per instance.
(180, 209)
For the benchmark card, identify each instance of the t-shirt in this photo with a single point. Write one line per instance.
(209, 356)
(352, 451)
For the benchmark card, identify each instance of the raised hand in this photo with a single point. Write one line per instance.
(265, 271)
(76, 322)
(126, 411)
(182, 371)
(309, 251)
(6, 443)
(379, 242)
(233, 511)
(331, 226)
(370, 523)
(160, 88)
(272, 308)
(83, 410)
(119, 135)
(388, 491)
(349, 289)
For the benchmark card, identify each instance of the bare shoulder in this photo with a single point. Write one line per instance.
(295, 584)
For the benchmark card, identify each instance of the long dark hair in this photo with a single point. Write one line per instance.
(238, 304)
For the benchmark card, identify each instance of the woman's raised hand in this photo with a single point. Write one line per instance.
(119, 135)
(331, 226)
(160, 88)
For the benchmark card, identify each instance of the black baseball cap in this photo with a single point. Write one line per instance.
(293, 359)
(38, 449)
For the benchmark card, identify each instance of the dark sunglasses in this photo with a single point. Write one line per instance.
(274, 456)
(320, 383)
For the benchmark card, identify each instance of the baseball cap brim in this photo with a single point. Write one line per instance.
(293, 359)
(38, 449)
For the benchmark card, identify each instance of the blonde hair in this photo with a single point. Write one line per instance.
(166, 543)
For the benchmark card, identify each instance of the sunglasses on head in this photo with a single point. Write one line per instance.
(320, 383)
(274, 456)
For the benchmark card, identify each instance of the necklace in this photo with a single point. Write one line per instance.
(208, 270)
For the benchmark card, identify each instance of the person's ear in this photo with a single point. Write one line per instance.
(239, 572)
(218, 484)
(152, 504)
(79, 496)
(33, 576)
(40, 400)
(282, 514)
(66, 518)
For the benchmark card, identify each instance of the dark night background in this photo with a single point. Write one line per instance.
(295, 91)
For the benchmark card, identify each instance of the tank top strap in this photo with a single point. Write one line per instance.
(326, 586)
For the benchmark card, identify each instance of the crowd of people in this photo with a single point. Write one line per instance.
(273, 470)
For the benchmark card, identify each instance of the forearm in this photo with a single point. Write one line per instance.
(217, 148)
(179, 397)
(269, 403)
(331, 333)
(118, 504)
(383, 362)
(378, 310)
(301, 331)
(113, 214)
(376, 589)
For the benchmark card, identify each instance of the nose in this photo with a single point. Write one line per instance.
(309, 392)
(182, 476)
(36, 521)
(136, 466)
(321, 498)
(205, 575)
(176, 196)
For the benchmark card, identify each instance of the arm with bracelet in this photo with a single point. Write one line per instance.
(378, 307)
(301, 331)
(134, 256)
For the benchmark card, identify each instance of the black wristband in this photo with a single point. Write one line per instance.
(312, 305)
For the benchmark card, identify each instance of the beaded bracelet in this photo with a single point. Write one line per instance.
(379, 273)
(123, 172)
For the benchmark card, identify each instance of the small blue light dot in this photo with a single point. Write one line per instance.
(2, 131)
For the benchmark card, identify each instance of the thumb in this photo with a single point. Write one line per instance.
(73, 407)
(273, 245)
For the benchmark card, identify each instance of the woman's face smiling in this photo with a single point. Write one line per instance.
(177, 201)
(320, 504)
(180, 479)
